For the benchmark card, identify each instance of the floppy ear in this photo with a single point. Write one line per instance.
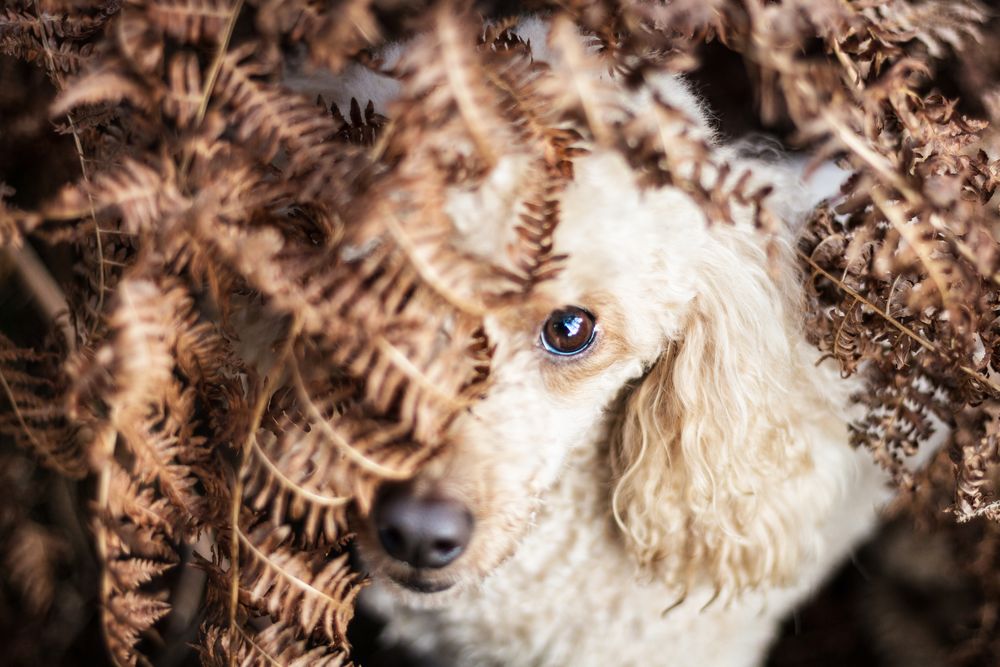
(708, 454)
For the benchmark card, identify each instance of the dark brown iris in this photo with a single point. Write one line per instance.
(568, 331)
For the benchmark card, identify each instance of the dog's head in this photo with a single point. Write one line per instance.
(665, 340)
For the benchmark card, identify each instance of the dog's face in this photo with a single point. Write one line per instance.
(559, 363)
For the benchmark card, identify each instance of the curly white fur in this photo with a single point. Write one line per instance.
(669, 495)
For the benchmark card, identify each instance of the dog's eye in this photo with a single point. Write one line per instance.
(568, 331)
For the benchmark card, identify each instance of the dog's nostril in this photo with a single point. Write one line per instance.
(446, 549)
(392, 539)
(424, 532)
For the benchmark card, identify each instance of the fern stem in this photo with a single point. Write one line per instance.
(43, 287)
(288, 576)
(249, 640)
(101, 279)
(213, 76)
(17, 413)
(105, 441)
(317, 498)
(234, 557)
(920, 248)
(425, 270)
(83, 167)
(213, 72)
(260, 405)
(403, 363)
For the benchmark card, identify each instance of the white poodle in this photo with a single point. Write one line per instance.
(660, 470)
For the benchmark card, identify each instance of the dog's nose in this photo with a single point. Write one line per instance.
(424, 532)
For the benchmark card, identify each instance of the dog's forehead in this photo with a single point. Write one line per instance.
(608, 226)
(615, 232)
(620, 241)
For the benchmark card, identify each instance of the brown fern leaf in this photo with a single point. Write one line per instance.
(109, 84)
(31, 412)
(32, 552)
(190, 21)
(125, 617)
(577, 88)
(123, 539)
(144, 401)
(140, 505)
(136, 360)
(140, 43)
(16, 23)
(59, 59)
(332, 31)
(351, 449)
(372, 316)
(849, 341)
(217, 376)
(309, 590)
(269, 118)
(134, 528)
(56, 41)
(204, 355)
(182, 99)
(401, 360)
(132, 532)
(141, 195)
(278, 644)
(429, 243)
(289, 477)
(898, 420)
(358, 129)
(550, 143)
(447, 100)
(938, 26)
(160, 442)
(134, 572)
(976, 461)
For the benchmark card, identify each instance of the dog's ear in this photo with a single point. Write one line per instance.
(706, 456)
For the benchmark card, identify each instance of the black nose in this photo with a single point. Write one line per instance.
(424, 532)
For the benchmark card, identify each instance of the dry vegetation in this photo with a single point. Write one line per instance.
(204, 195)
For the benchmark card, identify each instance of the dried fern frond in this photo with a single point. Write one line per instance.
(333, 32)
(31, 391)
(32, 554)
(12, 226)
(190, 21)
(125, 617)
(269, 118)
(443, 70)
(977, 463)
(142, 195)
(307, 589)
(58, 40)
(109, 85)
(133, 542)
(579, 88)
(276, 645)
(358, 129)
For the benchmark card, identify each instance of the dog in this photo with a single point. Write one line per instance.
(660, 469)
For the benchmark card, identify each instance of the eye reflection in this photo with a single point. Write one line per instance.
(568, 331)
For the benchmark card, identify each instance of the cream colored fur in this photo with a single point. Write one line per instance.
(666, 497)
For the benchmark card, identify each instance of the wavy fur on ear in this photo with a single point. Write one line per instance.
(711, 449)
